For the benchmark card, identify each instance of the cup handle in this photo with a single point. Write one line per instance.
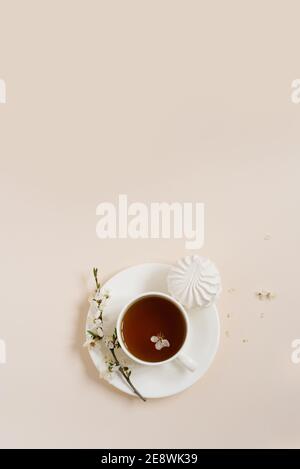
(187, 361)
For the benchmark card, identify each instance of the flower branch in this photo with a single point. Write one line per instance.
(96, 335)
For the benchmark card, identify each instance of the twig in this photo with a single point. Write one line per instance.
(126, 375)
(95, 272)
(114, 343)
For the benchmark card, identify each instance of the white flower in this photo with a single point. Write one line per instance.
(97, 295)
(109, 343)
(102, 305)
(104, 374)
(95, 313)
(160, 342)
(99, 331)
(90, 342)
(106, 294)
(101, 295)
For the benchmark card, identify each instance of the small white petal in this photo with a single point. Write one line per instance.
(159, 345)
(97, 295)
(104, 374)
(95, 314)
(154, 338)
(165, 343)
(89, 343)
(100, 331)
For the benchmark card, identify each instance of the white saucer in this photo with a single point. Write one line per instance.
(171, 378)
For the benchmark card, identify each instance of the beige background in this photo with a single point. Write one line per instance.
(164, 101)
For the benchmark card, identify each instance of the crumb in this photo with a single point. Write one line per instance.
(245, 341)
(259, 295)
(227, 334)
(267, 237)
(263, 295)
(228, 316)
(270, 295)
(231, 290)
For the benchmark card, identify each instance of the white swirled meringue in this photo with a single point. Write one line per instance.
(194, 281)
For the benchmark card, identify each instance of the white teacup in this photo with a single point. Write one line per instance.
(188, 362)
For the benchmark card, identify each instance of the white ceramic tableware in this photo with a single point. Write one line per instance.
(169, 378)
(184, 359)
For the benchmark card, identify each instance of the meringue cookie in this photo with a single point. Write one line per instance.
(194, 281)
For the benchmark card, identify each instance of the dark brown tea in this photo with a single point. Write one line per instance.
(153, 329)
